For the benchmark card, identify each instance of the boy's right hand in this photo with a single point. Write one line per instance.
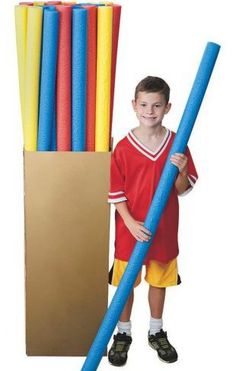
(138, 231)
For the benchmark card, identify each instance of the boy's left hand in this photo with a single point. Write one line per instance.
(181, 161)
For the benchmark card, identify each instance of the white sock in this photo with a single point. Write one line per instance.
(124, 327)
(155, 325)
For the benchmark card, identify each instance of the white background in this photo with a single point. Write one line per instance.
(167, 39)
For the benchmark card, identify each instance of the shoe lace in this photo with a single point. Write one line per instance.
(161, 339)
(122, 340)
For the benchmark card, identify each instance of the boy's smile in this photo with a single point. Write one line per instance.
(150, 108)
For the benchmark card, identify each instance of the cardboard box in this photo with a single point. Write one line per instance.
(66, 250)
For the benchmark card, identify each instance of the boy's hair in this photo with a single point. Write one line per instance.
(152, 84)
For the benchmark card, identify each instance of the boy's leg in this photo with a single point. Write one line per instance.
(125, 315)
(160, 276)
(118, 352)
(156, 298)
(124, 323)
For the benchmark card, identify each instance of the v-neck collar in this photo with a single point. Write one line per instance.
(152, 155)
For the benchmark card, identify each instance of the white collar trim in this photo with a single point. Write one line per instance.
(152, 155)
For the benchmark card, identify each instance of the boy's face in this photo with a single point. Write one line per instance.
(150, 108)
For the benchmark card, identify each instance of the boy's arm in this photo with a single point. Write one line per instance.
(182, 181)
(136, 228)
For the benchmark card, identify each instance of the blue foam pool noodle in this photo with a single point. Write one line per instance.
(79, 77)
(48, 77)
(156, 208)
(54, 132)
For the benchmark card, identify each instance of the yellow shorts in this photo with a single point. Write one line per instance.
(157, 274)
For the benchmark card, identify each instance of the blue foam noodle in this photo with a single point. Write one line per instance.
(79, 72)
(48, 78)
(54, 132)
(155, 211)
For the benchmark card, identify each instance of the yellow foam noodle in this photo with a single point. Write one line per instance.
(34, 31)
(39, 3)
(104, 49)
(21, 34)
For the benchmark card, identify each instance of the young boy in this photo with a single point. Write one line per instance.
(136, 166)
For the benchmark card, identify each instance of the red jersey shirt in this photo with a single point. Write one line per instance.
(135, 173)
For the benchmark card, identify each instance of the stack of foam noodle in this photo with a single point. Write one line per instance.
(67, 62)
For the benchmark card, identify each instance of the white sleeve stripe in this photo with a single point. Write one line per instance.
(114, 200)
(116, 193)
(192, 180)
(193, 177)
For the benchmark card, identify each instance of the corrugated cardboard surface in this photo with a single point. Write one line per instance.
(66, 247)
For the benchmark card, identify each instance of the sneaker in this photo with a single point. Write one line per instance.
(159, 342)
(117, 355)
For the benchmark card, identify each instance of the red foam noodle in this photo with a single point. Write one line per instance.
(63, 99)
